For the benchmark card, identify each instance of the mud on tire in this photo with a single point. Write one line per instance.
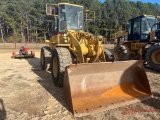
(153, 57)
(61, 58)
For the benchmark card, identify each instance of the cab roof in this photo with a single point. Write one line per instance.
(63, 3)
(144, 15)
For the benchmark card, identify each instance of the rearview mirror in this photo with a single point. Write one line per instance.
(51, 9)
(127, 27)
(89, 15)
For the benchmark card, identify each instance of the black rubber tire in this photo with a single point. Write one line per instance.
(45, 58)
(62, 57)
(124, 51)
(109, 55)
(149, 57)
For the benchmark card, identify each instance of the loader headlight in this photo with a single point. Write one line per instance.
(65, 41)
(65, 35)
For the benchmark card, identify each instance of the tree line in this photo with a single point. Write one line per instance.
(26, 21)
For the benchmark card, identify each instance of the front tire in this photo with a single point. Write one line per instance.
(153, 57)
(122, 52)
(61, 58)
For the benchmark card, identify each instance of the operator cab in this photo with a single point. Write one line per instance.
(66, 16)
(140, 28)
(70, 17)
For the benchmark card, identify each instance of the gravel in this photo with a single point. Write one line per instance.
(27, 92)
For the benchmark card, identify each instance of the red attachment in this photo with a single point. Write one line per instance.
(25, 48)
(23, 53)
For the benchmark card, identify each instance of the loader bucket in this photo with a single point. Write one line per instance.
(94, 87)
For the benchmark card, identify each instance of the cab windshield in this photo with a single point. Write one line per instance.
(148, 23)
(70, 17)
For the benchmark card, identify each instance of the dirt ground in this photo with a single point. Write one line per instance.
(27, 92)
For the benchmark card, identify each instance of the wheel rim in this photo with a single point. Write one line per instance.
(55, 67)
(156, 57)
(119, 54)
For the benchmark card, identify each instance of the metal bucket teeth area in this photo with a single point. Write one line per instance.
(98, 86)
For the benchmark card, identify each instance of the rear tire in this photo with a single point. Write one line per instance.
(121, 53)
(153, 57)
(45, 58)
(61, 58)
(109, 55)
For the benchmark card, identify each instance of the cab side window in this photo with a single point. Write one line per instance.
(136, 26)
(55, 26)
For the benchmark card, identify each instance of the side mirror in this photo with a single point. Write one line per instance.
(127, 27)
(51, 9)
(89, 15)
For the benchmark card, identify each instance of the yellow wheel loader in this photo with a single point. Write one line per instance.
(77, 62)
(141, 42)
